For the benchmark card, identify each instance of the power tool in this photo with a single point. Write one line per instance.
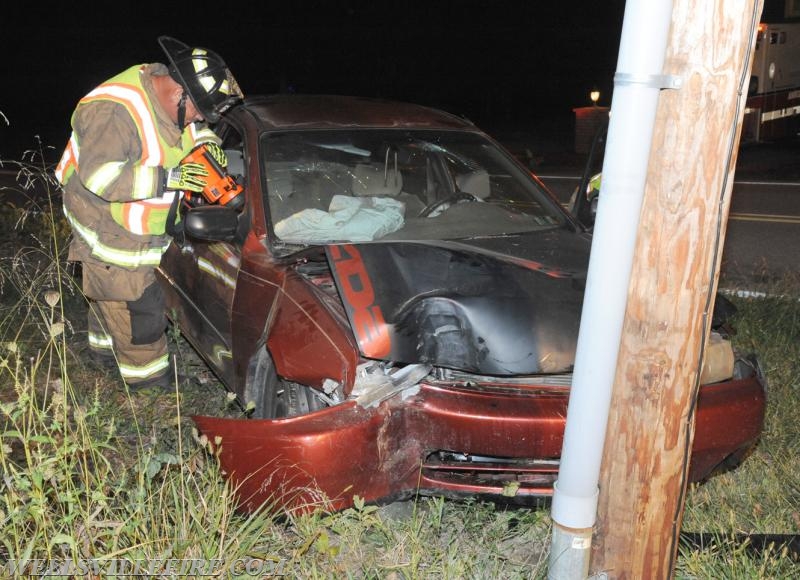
(221, 187)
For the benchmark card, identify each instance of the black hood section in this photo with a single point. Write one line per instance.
(499, 306)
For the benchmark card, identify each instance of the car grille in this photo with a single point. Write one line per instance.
(463, 473)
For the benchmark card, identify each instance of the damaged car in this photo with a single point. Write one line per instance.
(396, 304)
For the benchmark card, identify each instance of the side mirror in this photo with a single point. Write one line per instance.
(214, 223)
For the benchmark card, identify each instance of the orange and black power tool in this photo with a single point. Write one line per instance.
(220, 187)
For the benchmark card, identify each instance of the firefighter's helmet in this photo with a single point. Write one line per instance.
(203, 75)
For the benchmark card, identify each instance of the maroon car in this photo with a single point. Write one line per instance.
(397, 307)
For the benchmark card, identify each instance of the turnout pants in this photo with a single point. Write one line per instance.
(127, 321)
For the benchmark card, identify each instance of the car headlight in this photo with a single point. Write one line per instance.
(719, 360)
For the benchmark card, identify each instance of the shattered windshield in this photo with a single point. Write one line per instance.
(362, 185)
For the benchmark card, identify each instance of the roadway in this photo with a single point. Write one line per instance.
(763, 238)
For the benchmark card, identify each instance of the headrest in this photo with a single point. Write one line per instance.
(376, 179)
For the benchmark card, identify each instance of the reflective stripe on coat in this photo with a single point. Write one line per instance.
(144, 210)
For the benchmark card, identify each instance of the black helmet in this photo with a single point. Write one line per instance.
(203, 75)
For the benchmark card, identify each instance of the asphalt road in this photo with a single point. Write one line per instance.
(763, 237)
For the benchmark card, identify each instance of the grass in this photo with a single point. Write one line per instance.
(763, 494)
(89, 471)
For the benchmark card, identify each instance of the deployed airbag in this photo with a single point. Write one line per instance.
(359, 219)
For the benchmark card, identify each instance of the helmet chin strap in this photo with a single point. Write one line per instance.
(182, 111)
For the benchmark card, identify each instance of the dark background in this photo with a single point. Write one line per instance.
(499, 63)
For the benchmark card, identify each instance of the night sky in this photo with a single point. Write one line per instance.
(497, 62)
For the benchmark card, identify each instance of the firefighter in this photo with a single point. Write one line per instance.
(586, 210)
(122, 180)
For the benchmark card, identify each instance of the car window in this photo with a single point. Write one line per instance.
(365, 185)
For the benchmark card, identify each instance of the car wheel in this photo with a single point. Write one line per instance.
(273, 397)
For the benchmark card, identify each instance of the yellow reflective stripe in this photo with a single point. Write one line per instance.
(224, 252)
(207, 82)
(143, 217)
(104, 176)
(146, 371)
(144, 181)
(594, 183)
(148, 215)
(219, 352)
(199, 64)
(215, 272)
(102, 341)
(134, 101)
(125, 258)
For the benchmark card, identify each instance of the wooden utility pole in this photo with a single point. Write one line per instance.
(673, 284)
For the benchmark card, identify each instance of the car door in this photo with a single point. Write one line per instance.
(200, 281)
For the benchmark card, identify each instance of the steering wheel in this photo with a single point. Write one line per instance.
(449, 200)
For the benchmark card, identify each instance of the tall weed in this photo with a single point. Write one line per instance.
(81, 478)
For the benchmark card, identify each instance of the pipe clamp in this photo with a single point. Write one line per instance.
(649, 81)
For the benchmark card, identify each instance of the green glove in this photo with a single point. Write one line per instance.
(217, 153)
(188, 176)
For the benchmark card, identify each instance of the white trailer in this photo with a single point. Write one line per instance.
(773, 98)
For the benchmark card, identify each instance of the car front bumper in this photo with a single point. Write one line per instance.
(446, 439)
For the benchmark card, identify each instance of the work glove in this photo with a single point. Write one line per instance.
(217, 153)
(187, 176)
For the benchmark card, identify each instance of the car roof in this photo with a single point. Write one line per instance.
(284, 112)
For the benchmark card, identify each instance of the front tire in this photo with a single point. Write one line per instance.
(273, 397)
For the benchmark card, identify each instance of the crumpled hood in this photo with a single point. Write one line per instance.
(498, 306)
